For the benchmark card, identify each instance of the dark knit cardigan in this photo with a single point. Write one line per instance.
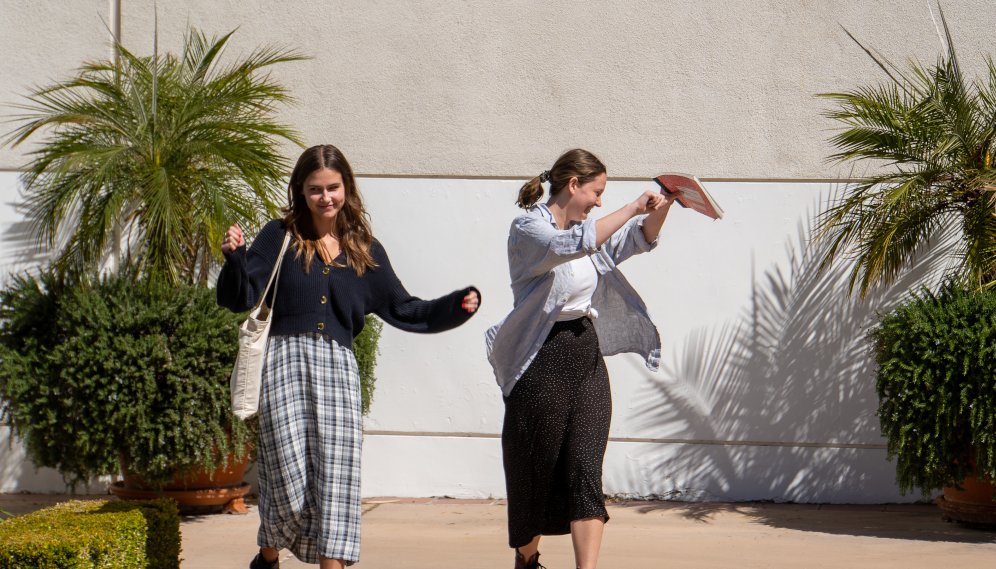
(330, 300)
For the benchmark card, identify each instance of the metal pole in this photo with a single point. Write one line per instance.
(115, 9)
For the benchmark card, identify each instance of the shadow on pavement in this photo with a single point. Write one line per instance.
(889, 525)
(887, 521)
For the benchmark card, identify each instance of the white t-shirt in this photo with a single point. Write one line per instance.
(585, 281)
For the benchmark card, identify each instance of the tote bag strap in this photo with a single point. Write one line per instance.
(275, 274)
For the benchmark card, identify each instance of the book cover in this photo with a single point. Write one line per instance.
(694, 195)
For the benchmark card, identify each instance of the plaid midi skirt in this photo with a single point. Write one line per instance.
(310, 436)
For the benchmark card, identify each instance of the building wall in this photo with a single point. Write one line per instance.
(721, 88)
(765, 391)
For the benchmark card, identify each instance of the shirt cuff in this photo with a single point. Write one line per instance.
(236, 256)
(235, 265)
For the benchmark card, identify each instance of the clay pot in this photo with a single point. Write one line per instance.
(974, 491)
(221, 478)
(201, 492)
(973, 503)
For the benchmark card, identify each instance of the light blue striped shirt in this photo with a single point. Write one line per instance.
(538, 262)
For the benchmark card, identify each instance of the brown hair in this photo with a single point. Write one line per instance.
(576, 163)
(351, 223)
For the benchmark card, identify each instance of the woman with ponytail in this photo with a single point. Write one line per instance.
(310, 419)
(572, 306)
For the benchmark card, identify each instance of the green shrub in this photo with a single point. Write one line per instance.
(118, 368)
(94, 534)
(936, 383)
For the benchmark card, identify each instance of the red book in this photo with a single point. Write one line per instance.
(694, 194)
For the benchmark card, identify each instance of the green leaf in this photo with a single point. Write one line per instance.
(167, 181)
(927, 136)
(937, 396)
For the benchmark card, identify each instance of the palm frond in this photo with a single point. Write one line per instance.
(172, 148)
(927, 134)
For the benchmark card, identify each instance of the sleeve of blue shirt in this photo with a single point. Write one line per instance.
(539, 247)
(623, 244)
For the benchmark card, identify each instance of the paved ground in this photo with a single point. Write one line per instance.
(461, 534)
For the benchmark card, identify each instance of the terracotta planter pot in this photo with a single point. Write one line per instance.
(977, 492)
(202, 492)
(221, 478)
(973, 504)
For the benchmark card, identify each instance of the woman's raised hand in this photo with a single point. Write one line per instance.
(471, 302)
(649, 201)
(233, 239)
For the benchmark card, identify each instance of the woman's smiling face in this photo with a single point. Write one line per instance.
(586, 197)
(325, 194)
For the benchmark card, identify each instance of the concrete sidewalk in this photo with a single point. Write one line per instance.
(462, 534)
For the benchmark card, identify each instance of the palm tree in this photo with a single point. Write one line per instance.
(146, 163)
(927, 135)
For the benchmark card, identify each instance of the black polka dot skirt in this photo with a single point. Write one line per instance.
(554, 437)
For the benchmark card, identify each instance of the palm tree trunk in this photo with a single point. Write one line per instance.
(115, 262)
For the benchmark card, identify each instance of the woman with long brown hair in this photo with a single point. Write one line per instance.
(571, 307)
(310, 419)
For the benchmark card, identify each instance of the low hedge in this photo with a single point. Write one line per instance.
(94, 534)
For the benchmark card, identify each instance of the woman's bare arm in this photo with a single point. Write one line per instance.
(652, 223)
(648, 202)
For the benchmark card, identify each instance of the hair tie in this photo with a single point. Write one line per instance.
(545, 176)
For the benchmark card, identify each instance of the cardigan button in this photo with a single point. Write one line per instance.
(325, 271)
(321, 326)
(324, 300)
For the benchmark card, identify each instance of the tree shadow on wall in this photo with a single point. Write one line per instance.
(21, 251)
(793, 368)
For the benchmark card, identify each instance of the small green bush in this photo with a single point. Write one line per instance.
(366, 350)
(936, 382)
(94, 534)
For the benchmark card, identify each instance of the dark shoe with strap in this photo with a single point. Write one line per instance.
(259, 563)
(532, 563)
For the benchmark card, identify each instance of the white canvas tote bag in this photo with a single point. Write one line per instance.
(247, 374)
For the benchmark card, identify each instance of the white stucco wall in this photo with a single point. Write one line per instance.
(765, 391)
(721, 88)
(443, 107)
(757, 348)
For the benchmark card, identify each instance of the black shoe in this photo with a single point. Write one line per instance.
(259, 563)
(531, 563)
